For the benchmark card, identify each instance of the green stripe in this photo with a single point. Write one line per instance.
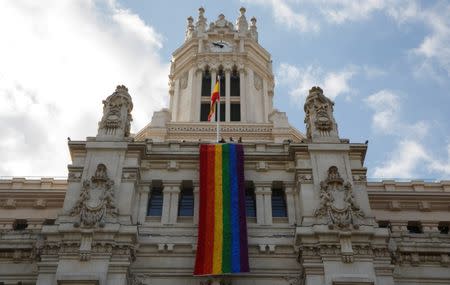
(226, 249)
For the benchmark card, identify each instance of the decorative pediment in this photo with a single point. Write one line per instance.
(337, 203)
(96, 200)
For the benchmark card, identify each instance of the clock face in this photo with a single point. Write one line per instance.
(220, 46)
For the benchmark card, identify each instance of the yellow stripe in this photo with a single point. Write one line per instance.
(218, 212)
(216, 87)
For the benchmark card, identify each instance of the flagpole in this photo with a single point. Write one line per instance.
(218, 114)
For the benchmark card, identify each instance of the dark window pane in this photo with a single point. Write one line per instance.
(20, 225)
(250, 202)
(278, 203)
(206, 84)
(443, 228)
(222, 84)
(155, 203)
(414, 228)
(235, 86)
(235, 112)
(204, 111)
(186, 202)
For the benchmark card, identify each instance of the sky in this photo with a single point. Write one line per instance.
(385, 64)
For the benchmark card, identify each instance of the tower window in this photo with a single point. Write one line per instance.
(235, 112)
(443, 228)
(235, 88)
(186, 201)
(222, 83)
(250, 201)
(155, 203)
(279, 208)
(204, 111)
(206, 84)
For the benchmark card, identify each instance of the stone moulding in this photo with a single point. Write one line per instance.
(337, 202)
(96, 200)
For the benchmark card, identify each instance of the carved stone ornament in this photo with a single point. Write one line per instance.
(319, 118)
(184, 81)
(257, 81)
(116, 114)
(337, 202)
(96, 200)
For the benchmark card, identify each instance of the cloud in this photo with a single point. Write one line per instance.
(300, 80)
(62, 59)
(404, 161)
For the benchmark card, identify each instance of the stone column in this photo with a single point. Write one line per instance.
(227, 95)
(290, 203)
(171, 192)
(243, 94)
(196, 95)
(263, 195)
(176, 100)
(196, 201)
(143, 203)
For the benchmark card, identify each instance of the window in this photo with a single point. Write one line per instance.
(204, 111)
(20, 225)
(155, 203)
(206, 84)
(186, 201)
(222, 112)
(414, 227)
(250, 200)
(235, 87)
(384, 224)
(222, 83)
(443, 228)
(49, 222)
(235, 112)
(278, 202)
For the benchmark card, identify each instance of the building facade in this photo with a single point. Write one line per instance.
(128, 211)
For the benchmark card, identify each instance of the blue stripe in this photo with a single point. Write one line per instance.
(235, 237)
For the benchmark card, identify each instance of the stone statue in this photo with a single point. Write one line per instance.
(319, 119)
(241, 22)
(117, 117)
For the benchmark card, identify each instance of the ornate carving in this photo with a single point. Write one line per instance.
(184, 81)
(241, 22)
(96, 199)
(337, 202)
(319, 114)
(222, 24)
(257, 80)
(190, 28)
(116, 114)
(253, 29)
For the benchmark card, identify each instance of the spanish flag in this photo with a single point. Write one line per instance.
(215, 97)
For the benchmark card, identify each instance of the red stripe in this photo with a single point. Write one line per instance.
(209, 225)
(200, 259)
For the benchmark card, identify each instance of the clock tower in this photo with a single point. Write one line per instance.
(231, 52)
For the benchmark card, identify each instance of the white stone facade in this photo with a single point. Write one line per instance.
(338, 228)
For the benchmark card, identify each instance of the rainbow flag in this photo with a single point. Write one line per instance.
(222, 231)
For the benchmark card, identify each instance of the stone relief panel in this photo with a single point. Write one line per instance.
(184, 81)
(257, 81)
(337, 203)
(96, 200)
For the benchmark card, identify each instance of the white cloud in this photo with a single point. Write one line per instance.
(404, 161)
(300, 80)
(62, 58)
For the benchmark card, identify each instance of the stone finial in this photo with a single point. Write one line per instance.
(241, 22)
(319, 119)
(201, 21)
(253, 29)
(116, 117)
(190, 28)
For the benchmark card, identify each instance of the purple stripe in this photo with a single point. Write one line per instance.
(242, 215)
(235, 221)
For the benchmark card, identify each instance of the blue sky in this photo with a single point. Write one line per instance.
(385, 63)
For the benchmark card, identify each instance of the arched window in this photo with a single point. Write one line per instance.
(206, 83)
(155, 203)
(279, 208)
(250, 200)
(186, 200)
